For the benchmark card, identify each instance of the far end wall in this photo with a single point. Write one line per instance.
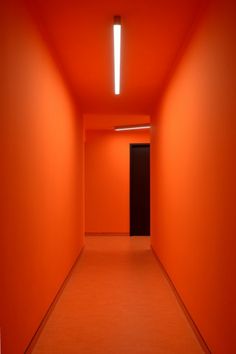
(107, 180)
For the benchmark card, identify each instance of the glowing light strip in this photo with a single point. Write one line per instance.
(135, 127)
(117, 51)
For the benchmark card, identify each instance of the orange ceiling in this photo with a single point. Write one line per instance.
(79, 33)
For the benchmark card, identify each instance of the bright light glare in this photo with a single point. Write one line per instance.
(133, 128)
(117, 46)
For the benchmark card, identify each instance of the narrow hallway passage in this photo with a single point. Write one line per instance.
(82, 82)
(117, 301)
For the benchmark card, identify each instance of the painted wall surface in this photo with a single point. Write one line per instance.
(107, 179)
(109, 121)
(41, 158)
(193, 178)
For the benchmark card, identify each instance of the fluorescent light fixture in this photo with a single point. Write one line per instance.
(117, 47)
(132, 127)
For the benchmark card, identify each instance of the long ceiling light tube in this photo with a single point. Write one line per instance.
(117, 52)
(132, 127)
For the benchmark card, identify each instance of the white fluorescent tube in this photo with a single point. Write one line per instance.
(135, 127)
(117, 50)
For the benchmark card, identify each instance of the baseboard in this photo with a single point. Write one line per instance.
(191, 322)
(42, 324)
(107, 233)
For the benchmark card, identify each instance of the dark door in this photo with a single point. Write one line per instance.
(139, 189)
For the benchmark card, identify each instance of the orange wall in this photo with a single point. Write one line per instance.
(109, 121)
(193, 178)
(41, 179)
(107, 179)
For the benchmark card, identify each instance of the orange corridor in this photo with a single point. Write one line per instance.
(73, 73)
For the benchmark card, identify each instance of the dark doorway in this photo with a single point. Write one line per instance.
(140, 189)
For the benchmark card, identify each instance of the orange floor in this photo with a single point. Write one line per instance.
(117, 301)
